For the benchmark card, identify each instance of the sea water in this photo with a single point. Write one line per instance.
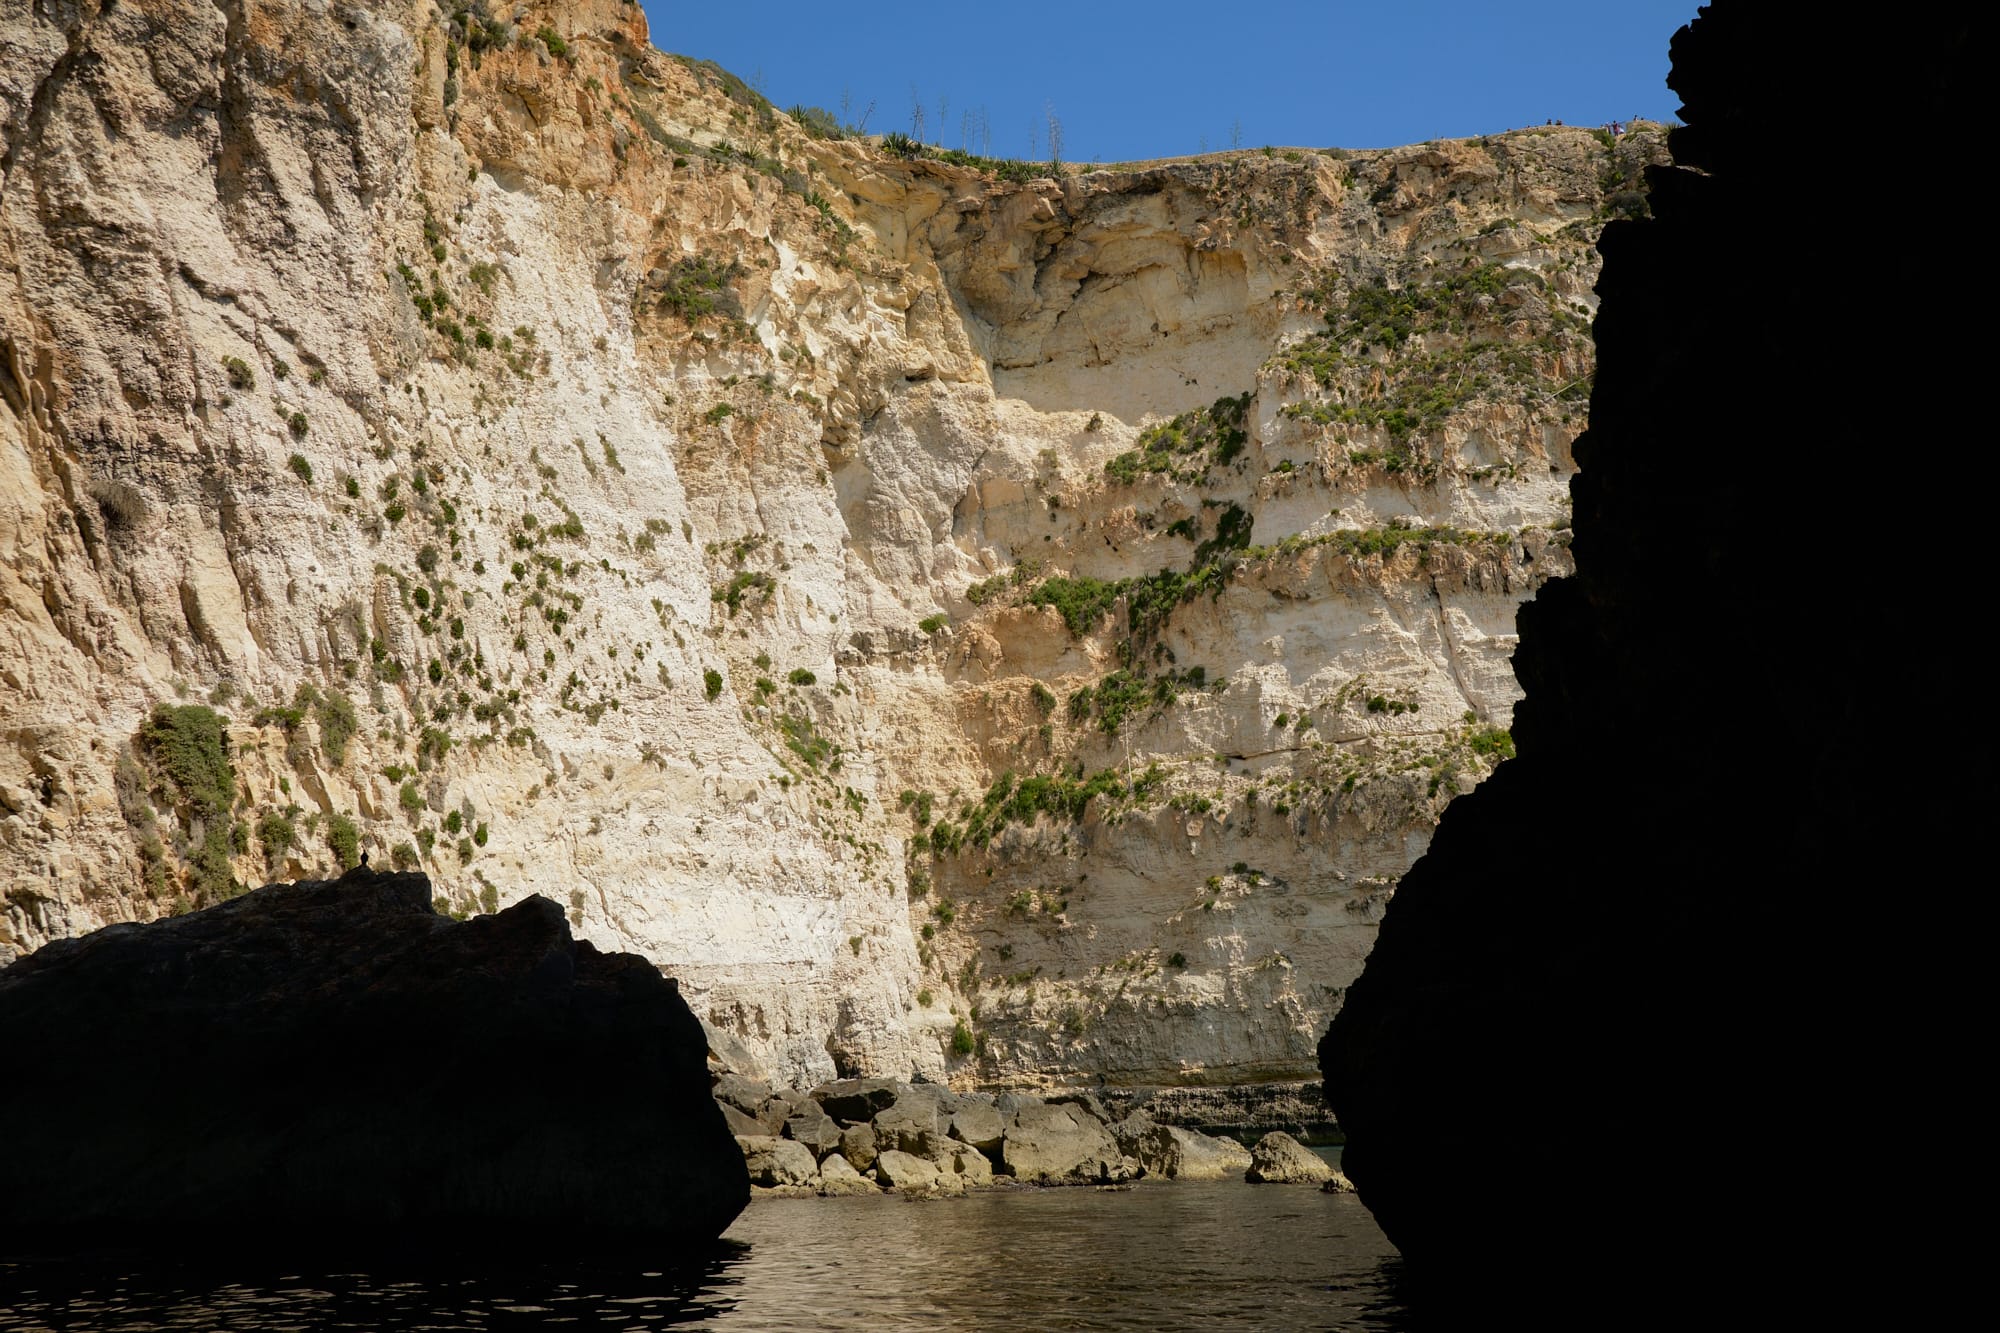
(1155, 1255)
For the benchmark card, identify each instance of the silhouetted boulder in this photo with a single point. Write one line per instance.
(1663, 922)
(325, 1068)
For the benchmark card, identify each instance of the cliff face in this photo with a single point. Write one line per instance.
(1003, 628)
(1694, 732)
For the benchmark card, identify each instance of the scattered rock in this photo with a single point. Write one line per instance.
(913, 1124)
(816, 1131)
(907, 1173)
(747, 1095)
(773, 1161)
(1280, 1159)
(978, 1124)
(1181, 1154)
(1053, 1145)
(837, 1176)
(1337, 1184)
(1086, 1100)
(971, 1165)
(740, 1124)
(857, 1145)
(850, 1100)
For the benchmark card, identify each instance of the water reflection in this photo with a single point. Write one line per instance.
(1223, 1255)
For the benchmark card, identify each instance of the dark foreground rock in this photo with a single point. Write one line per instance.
(1666, 921)
(327, 1068)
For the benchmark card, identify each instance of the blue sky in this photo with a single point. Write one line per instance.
(1167, 78)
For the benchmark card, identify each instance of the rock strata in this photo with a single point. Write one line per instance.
(329, 1066)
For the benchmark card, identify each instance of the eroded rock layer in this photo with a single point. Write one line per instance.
(957, 620)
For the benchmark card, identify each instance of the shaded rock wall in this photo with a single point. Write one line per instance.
(330, 1067)
(1651, 945)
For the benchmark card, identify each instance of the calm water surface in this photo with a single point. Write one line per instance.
(1155, 1256)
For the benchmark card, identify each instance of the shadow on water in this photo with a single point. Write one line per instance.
(1214, 1255)
(96, 1298)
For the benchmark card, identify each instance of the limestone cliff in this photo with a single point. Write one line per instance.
(956, 618)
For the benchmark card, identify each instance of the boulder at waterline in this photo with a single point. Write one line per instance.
(971, 1166)
(1174, 1153)
(1059, 1145)
(1280, 1159)
(330, 1066)
(837, 1176)
(912, 1174)
(773, 1161)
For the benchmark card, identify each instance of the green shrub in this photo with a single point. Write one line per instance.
(742, 584)
(189, 746)
(1044, 697)
(923, 999)
(403, 856)
(932, 624)
(801, 676)
(410, 798)
(697, 286)
(1178, 960)
(1082, 602)
(711, 682)
(301, 469)
(1495, 743)
(552, 39)
(297, 423)
(240, 374)
(337, 724)
(276, 834)
(344, 840)
(1186, 447)
(961, 1039)
(802, 738)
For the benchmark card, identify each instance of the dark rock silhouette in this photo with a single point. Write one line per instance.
(330, 1068)
(1613, 1012)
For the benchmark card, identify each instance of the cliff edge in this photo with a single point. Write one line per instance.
(331, 1067)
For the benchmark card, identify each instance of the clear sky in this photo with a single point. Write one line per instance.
(1130, 80)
